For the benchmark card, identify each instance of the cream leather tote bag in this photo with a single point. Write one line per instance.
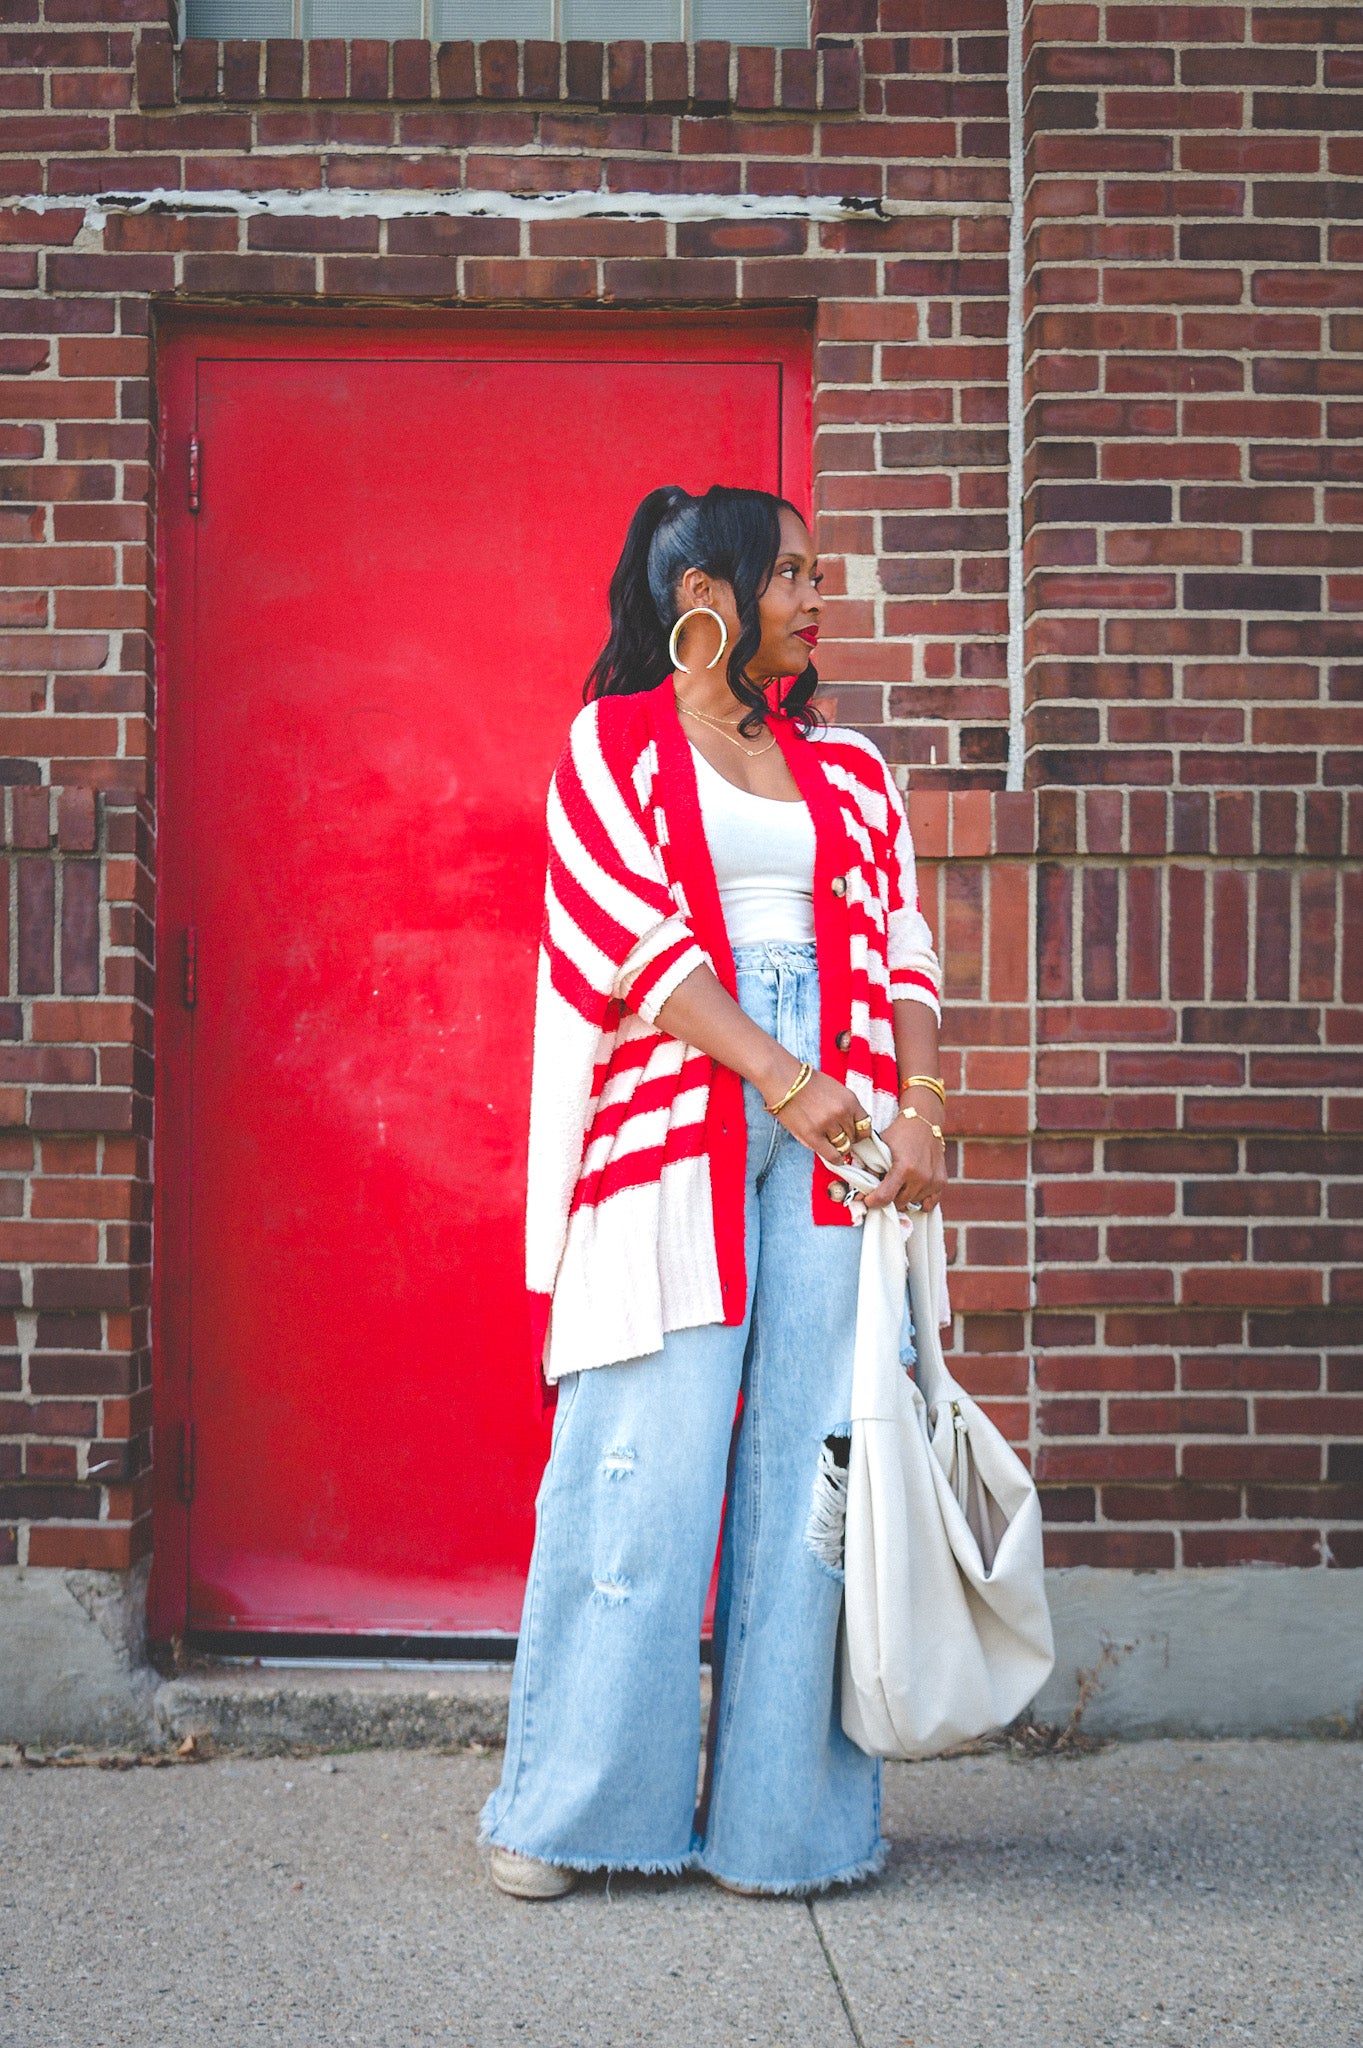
(946, 1633)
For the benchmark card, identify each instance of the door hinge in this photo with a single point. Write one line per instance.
(187, 1464)
(190, 986)
(193, 472)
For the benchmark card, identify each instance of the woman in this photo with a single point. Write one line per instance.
(736, 982)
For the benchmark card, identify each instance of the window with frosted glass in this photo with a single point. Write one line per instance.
(473, 21)
(782, 23)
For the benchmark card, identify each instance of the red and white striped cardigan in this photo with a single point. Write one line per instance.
(634, 1212)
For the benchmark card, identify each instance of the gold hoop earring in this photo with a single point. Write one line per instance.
(672, 637)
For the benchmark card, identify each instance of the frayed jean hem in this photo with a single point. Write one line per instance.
(644, 1866)
(641, 1866)
(805, 1887)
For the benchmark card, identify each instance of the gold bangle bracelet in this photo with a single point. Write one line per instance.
(925, 1081)
(805, 1075)
(936, 1129)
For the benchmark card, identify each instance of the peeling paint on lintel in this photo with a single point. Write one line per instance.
(472, 205)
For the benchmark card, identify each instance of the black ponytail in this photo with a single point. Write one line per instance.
(734, 535)
(635, 655)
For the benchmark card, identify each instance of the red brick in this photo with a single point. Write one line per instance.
(541, 73)
(498, 69)
(1124, 1374)
(1239, 1547)
(76, 819)
(1067, 1463)
(456, 71)
(1079, 1287)
(254, 272)
(107, 1547)
(284, 69)
(1180, 1503)
(1114, 1549)
(839, 79)
(585, 60)
(1176, 24)
(283, 232)
(411, 70)
(798, 78)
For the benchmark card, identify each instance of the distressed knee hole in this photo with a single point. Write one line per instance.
(613, 1591)
(826, 1529)
(618, 1463)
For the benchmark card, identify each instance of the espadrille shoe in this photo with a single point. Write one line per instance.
(525, 1877)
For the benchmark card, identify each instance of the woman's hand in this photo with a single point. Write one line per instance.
(823, 1115)
(820, 1114)
(919, 1172)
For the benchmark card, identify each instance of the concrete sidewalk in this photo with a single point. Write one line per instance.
(1165, 1892)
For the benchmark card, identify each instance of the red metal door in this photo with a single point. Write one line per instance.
(375, 626)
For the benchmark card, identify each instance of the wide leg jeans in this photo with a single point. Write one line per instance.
(604, 1737)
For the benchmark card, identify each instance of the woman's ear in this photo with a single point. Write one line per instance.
(694, 589)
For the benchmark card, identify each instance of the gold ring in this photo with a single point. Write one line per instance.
(838, 1139)
(862, 1127)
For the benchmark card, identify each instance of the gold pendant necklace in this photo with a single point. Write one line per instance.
(753, 753)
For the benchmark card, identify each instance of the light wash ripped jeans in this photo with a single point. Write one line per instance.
(603, 1746)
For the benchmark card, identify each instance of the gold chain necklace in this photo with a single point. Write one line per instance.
(753, 753)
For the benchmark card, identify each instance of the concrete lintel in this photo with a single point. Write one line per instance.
(355, 202)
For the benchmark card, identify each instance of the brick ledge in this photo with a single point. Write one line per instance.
(699, 78)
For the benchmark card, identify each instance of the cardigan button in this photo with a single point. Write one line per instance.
(839, 885)
(843, 1041)
(838, 1190)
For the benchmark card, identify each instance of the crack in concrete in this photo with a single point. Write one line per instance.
(836, 1975)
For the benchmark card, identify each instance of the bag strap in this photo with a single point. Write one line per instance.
(926, 1261)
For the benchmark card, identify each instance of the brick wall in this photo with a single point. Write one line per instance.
(1195, 734)
(1147, 1010)
(75, 1126)
(976, 853)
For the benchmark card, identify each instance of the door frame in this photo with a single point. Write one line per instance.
(185, 336)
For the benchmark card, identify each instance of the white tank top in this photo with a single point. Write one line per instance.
(763, 853)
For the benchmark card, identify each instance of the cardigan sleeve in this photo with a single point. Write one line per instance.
(613, 934)
(613, 927)
(915, 970)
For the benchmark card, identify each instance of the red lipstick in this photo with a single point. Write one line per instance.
(810, 634)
